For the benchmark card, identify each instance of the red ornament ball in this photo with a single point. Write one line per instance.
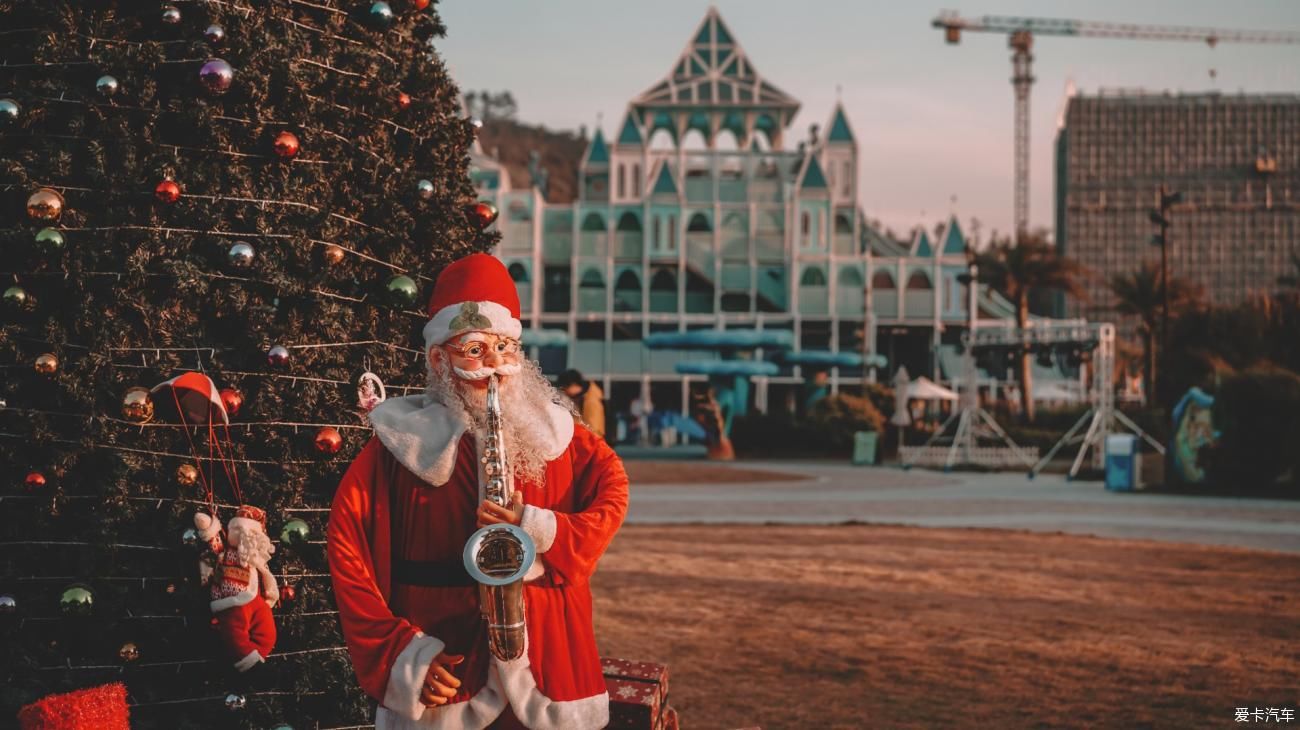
(482, 214)
(328, 440)
(34, 480)
(167, 191)
(288, 593)
(403, 100)
(231, 400)
(286, 145)
(278, 356)
(419, 4)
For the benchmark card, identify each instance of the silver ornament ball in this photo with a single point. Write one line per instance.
(236, 702)
(9, 111)
(107, 85)
(425, 188)
(171, 15)
(241, 255)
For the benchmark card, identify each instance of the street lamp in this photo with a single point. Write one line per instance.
(1160, 217)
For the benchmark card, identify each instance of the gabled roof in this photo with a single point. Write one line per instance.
(631, 133)
(714, 71)
(840, 130)
(664, 183)
(813, 177)
(921, 247)
(879, 244)
(954, 243)
(597, 152)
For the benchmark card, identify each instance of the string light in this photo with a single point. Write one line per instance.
(183, 662)
(82, 543)
(325, 66)
(188, 457)
(243, 424)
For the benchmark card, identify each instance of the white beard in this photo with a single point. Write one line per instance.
(525, 394)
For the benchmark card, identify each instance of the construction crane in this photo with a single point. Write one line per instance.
(1020, 39)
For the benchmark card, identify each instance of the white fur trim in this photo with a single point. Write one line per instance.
(406, 678)
(423, 434)
(239, 599)
(248, 662)
(508, 683)
(539, 523)
(438, 330)
(207, 525)
(270, 591)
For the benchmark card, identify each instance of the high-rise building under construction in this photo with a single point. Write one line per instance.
(1234, 158)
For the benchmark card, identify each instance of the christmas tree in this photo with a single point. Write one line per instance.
(255, 195)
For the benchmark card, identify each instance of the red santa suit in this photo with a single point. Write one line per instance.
(399, 523)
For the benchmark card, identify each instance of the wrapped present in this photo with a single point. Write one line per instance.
(638, 693)
(93, 708)
(667, 719)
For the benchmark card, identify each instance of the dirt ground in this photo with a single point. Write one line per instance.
(860, 626)
(690, 471)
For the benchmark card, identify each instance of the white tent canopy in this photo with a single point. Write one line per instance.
(925, 389)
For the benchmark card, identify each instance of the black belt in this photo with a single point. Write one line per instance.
(431, 573)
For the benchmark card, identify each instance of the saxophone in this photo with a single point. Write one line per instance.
(498, 556)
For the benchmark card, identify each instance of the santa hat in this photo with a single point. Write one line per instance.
(475, 293)
(248, 518)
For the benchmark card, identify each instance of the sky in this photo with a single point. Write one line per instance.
(933, 121)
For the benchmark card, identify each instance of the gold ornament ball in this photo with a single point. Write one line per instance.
(137, 405)
(334, 254)
(187, 475)
(129, 652)
(295, 532)
(17, 298)
(47, 364)
(45, 205)
(49, 241)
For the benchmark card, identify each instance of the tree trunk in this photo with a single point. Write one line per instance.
(1026, 377)
(1149, 358)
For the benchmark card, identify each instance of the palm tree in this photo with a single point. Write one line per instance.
(1017, 270)
(1141, 293)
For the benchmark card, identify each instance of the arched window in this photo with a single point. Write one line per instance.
(882, 279)
(812, 276)
(518, 272)
(627, 292)
(699, 223)
(593, 222)
(663, 280)
(591, 279)
(843, 224)
(918, 281)
(805, 224)
(850, 276)
(629, 222)
(663, 291)
(622, 181)
(636, 179)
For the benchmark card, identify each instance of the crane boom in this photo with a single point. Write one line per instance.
(1020, 33)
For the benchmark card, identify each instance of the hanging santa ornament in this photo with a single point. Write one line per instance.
(370, 392)
(333, 254)
(286, 145)
(107, 86)
(278, 356)
(187, 475)
(232, 400)
(241, 255)
(403, 100)
(168, 191)
(424, 188)
(34, 480)
(243, 589)
(47, 364)
(171, 15)
(49, 241)
(400, 291)
(216, 76)
(381, 15)
(214, 34)
(77, 600)
(482, 213)
(328, 440)
(45, 204)
(9, 112)
(137, 405)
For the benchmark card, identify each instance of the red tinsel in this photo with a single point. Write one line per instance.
(93, 708)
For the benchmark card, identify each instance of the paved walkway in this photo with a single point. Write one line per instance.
(840, 493)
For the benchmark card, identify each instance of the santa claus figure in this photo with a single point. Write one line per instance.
(243, 590)
(408, 503)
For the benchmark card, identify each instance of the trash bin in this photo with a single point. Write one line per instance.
(864, 447)
(1122, 462)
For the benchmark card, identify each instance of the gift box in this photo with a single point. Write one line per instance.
(638, 694)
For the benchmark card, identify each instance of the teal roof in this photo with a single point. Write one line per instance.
(630, 134)
(597, 152)
(953, 241)
(664, 183)
(923, 248)
(840, 131)
(813, 178)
